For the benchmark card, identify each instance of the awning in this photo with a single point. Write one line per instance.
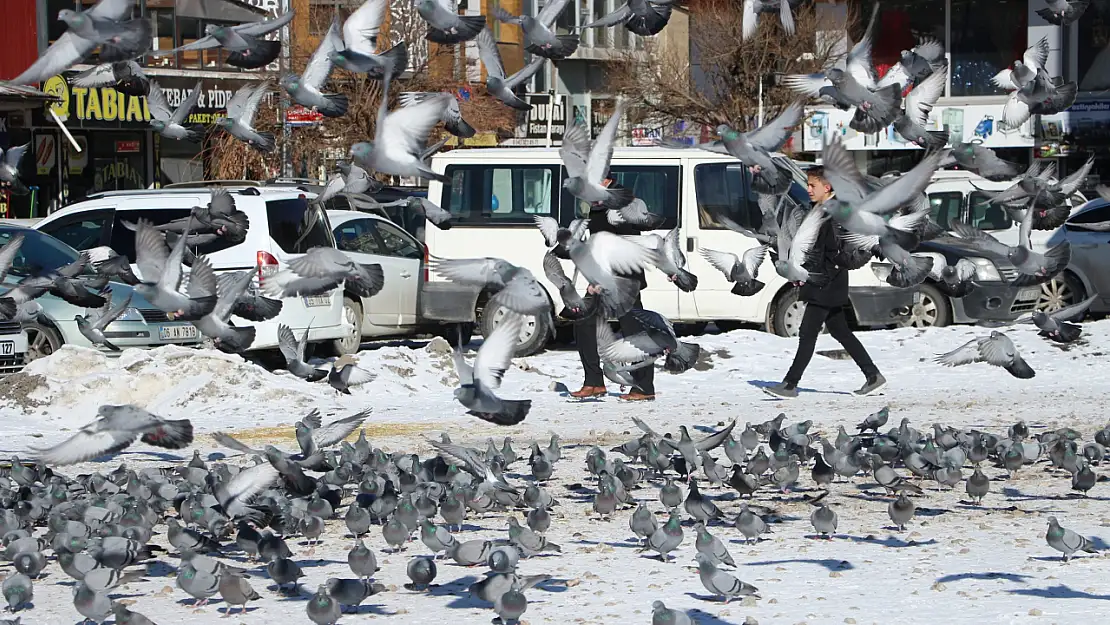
(19, 97)
(219, 10)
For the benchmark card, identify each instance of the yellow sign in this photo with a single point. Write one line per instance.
(108, 105)
(480, 140)
(57, 86)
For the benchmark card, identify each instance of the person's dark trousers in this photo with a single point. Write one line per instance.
(585, 338)
(836, 321)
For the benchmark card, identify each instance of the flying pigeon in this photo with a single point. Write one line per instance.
(161, 276)
(171, 123)
(453, 120)
(92, 325)
(241, 111)
(604, 259)
(127, 77)
(1035, 267)
(587, 163)
(754, 148)
(742, 273)
(672, 260)
(1063, 12)
(478, 382)
(103, 25)
(636, 214)
(229, 288)
(498, 84)
(919, 103)
(307, 89)
(402, 134)
(539, 31)
(1025, 70)
(983, 161)
(115, 429)
(575, 307)
(514, 288)
(359, 52)
(642, 17)
(9, 168)
(1061, 325)
(245, 44)
(322, 269)
(346, 373)
(445, 25)
(997, 350)
(754, 8)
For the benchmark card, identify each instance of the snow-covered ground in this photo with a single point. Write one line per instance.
(955, 563)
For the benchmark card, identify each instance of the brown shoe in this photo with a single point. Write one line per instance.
(589, 391)
(637, 396)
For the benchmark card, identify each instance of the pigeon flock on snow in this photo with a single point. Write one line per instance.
(105, 529)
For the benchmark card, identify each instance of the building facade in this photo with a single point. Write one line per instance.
(113, 145)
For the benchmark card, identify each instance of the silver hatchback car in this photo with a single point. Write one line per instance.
(141, 325)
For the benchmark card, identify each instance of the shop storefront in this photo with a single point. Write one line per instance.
(16, 105)
(115, 145)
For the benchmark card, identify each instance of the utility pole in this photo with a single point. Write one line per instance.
(284, 64)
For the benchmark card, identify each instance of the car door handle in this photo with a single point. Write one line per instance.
(691, 242)
(405, 274)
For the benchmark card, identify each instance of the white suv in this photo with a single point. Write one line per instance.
(281, 229)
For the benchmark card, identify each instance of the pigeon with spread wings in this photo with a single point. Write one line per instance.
(127, 77)
(114, 430)
(477, 383)
(170, 123)
(401, 137)
(498, 84)
(359, 52)
(322, 269)
(587, 163)
(996, 349)
(247, 48)
(741, 272)
(539, 31)
(239, 121)
(307, 89)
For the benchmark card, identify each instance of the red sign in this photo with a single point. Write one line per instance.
(301, 116)
(130, 146)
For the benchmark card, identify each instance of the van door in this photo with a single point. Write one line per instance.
(723, 188)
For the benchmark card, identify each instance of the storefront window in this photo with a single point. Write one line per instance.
(987, 36)
(188, 31)
(902, 24)
(162, 21)
(1094, 47)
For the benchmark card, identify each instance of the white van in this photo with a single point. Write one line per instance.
(275, 236)
(495, 193)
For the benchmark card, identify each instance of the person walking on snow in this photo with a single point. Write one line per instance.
(826, 303)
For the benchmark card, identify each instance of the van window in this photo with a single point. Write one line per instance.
(501, 194)
(82, 233)
(296, 226)
(123, 238)
(945, 207)
(986, 216)
(722, 189)
(357, 235)
(656, 185)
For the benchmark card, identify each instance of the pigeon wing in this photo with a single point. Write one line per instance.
(549, 228)
(86, 444)
(338, 430)
(575, 150)
(962, 355)
(772, 136)
(409, 126)
(150, 251)
(496, 353)
(489, 54)
(181, 113)
(360, 31)
(721, 261)
(597, 165)
(319, 64)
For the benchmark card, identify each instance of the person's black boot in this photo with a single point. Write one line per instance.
(874, 383)
(784, 389)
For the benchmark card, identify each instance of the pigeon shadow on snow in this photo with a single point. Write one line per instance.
(1017, 578)
(1012, 493)
(639, 543)
(460, 590)
(830, 564)
(893, 541)
(762, 384)
(1060, 591)
(711, 599)
(705, 618)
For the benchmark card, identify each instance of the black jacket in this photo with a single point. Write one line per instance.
(830, 289)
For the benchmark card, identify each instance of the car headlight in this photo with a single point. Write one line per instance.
(986, 270)
(131, 314)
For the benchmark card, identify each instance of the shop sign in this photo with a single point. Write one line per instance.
(601, 109)
(93, 106)
(130, 146)
(45, 157)
(1083, 123)
(119, 171)
(979, 122)
(301, 116)
(533, 130)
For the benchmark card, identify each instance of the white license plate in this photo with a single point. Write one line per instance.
(7, 348)
(177, 333)
(1026, 295)
(315, 301)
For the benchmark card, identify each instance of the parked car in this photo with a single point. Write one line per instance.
(141, 324)
(1088, 273)
(494, 195)
(962, 195)
(281, 229)
(413, 222)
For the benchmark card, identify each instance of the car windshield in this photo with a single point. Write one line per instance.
(39, 252)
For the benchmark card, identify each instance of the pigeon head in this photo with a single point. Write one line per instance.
(291, 83)
(574, 185)
(361, 151)
(1039, 317)
(72, 18)
(727, 133)
(225, 122)
(215, 30)
(426, 7)
(466, 394)
(1018, 255)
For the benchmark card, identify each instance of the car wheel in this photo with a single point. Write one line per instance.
(352, 318)
(1060, 292)
(785, 316)
(42, 341)
(533, 335)
(930, 309)
(692, 329)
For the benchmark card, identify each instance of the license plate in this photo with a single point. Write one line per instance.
(315, 301)
(1026, 295)
(7, 348)
(177, 333)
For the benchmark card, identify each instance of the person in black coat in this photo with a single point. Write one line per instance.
(826, 300)
(585, 331)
